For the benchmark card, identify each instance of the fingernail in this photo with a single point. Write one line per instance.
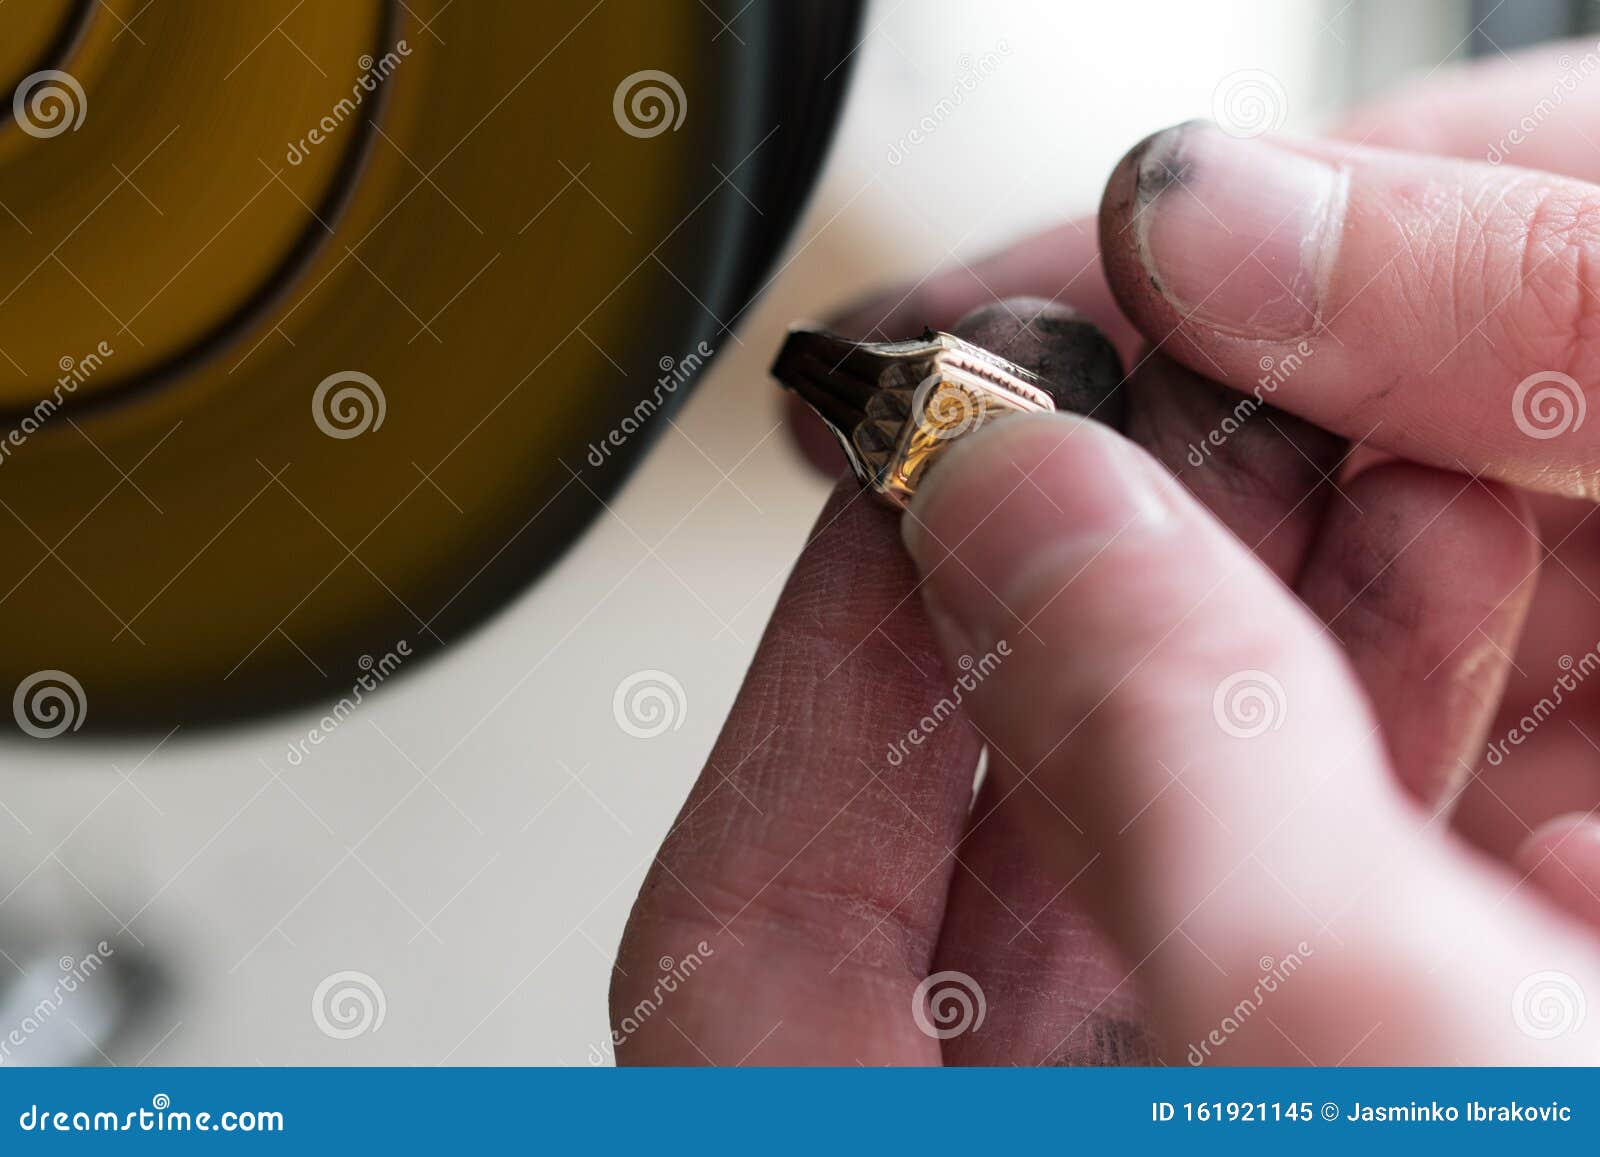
(1238, 234)
(1030, 496)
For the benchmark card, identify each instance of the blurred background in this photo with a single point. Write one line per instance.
(458, 857)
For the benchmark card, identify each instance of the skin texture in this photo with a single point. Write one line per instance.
(1480, 275)
(1357, 543)
(812, 871)
(1298, 834)
(803, 843)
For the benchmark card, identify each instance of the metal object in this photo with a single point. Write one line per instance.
(304, 316)
(896, 406)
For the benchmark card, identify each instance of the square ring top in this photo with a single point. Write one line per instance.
(896, 406)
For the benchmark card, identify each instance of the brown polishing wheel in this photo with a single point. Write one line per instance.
(310, 314)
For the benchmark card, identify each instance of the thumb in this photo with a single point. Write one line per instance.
(1446, 309)
(1198, 736)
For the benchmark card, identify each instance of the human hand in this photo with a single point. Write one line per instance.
(1119, 782)
(1427, 361)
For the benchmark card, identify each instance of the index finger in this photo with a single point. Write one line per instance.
(805, 877)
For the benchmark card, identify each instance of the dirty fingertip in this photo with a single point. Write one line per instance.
(1056, 342)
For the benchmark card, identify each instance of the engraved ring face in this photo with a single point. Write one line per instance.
(896, 406)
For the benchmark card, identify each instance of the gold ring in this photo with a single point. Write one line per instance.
(896, 406)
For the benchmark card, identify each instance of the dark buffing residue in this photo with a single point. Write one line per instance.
(1080, 367)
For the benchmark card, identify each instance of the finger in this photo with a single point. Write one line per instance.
(812, 438)
(806, 883)
(1228, 841)
(1262, 473)
(1061, 265)
(1060, 993)
(1057, 343)
(1426, 578)
(1535, 767)
(1562, 859)
(1412, 300)
(1057, 991)
(1475, 111)
(1480, 111)
(1540, 760)
(1052, 984)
